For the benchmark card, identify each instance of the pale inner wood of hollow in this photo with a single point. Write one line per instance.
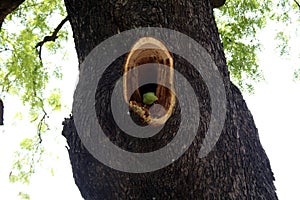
(150, 50)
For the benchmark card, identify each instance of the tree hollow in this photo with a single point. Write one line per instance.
(148, 50)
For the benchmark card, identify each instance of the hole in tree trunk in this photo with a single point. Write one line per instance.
(148, 50)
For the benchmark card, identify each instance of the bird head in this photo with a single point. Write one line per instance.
(149, 98)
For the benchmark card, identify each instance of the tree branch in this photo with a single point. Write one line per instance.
(217, 3)
(7, 7)
(298, 4)
(40, 124)
(50, 38)
(1, 112)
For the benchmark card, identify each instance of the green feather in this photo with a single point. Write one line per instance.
(149, 98)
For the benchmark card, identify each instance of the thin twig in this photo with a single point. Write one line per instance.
(30, 6)
(40, 124)
(50, 38)
(298, 4)
(5, 49)
(1, 112)
(38, 144)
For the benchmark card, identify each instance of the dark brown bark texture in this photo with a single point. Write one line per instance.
(236, 168)
(6, 7)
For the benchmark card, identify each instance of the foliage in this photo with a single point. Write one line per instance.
(54, 100)
(24, 196)
(297, 74)
(25, 160)
(23, 73)
(239, 22)
(283, 46)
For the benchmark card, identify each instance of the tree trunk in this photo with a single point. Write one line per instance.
(237, 166)
(6, 7)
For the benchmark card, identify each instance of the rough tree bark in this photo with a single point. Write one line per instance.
(236, 168)
(6, 7)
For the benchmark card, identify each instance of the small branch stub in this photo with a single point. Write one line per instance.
(217, 3)
(148, 50)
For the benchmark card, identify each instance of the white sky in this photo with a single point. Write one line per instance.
(275, 107)
(276, 110)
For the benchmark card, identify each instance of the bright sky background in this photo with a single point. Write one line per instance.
(275, 107)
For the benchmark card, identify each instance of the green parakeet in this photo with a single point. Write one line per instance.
(149, 98)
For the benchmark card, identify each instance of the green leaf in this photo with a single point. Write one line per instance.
(26, 144)
(297, 75)
(54, 100)
(24, 196)
(283, 43)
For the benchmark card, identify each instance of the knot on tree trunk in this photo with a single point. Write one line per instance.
(217, 3)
